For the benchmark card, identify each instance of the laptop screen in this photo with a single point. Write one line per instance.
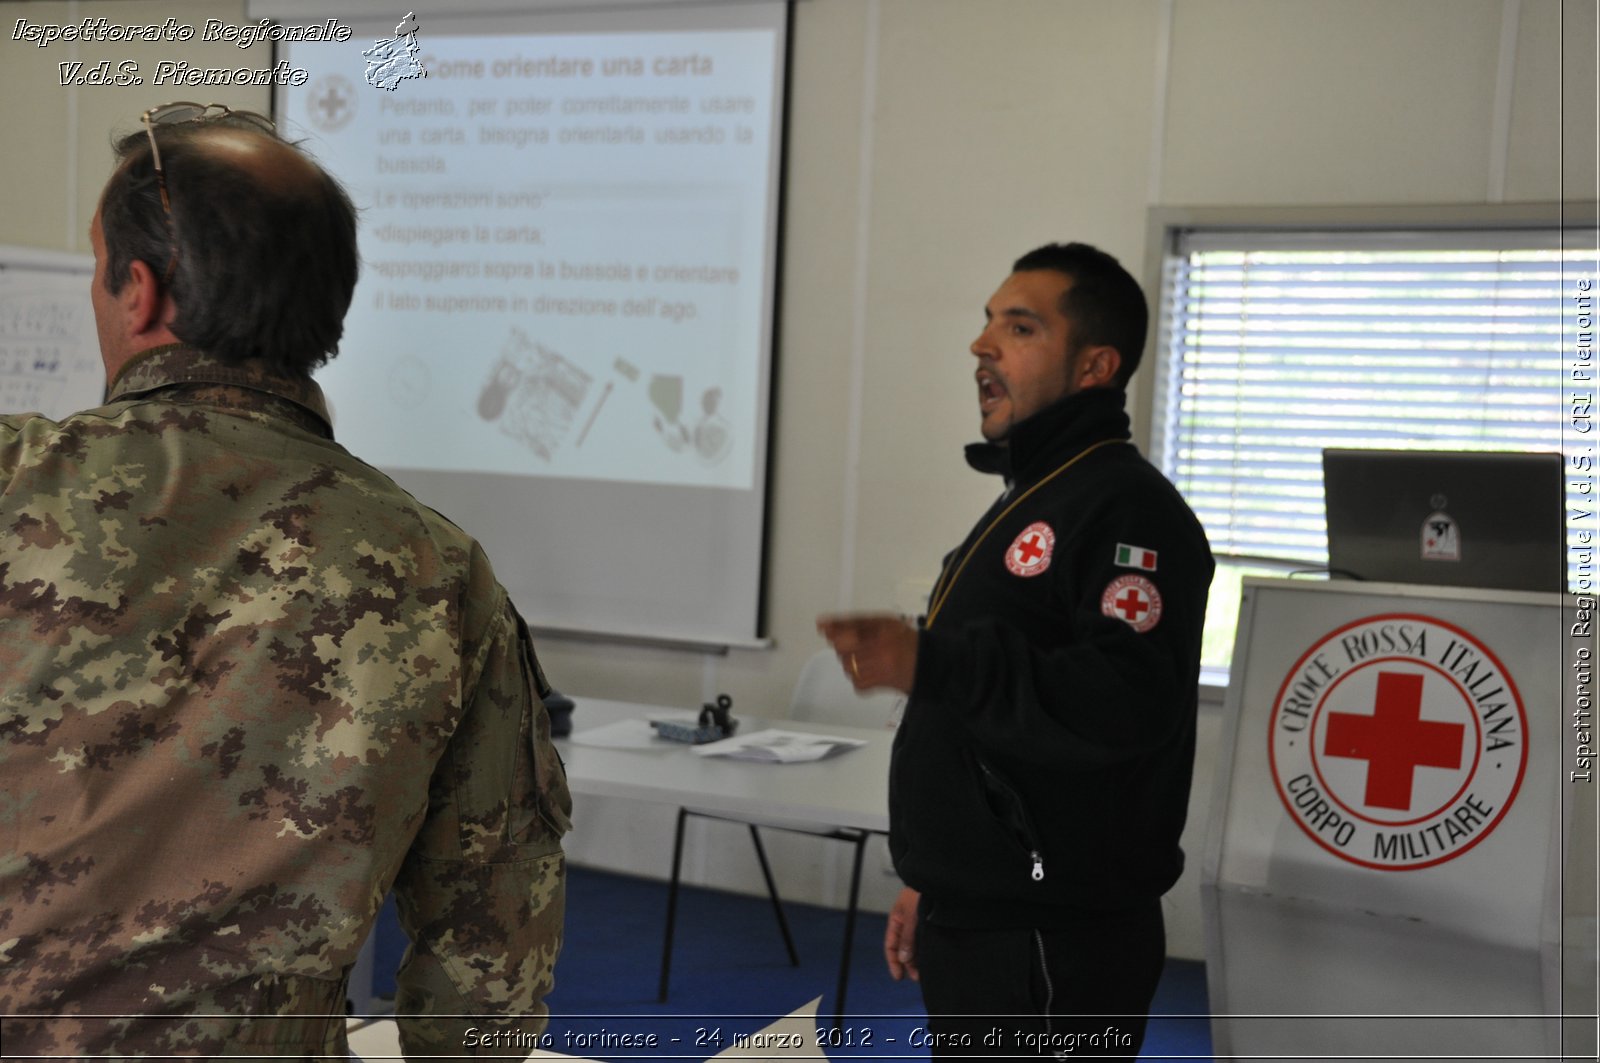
(1453, 518)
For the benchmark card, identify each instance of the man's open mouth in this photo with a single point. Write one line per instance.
(990, 390)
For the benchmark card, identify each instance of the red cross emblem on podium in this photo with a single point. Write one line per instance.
(1397, 741)
(1029, 553)
(1394, 741)
(1134, 600)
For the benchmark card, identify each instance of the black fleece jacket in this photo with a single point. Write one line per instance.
(1041, 771)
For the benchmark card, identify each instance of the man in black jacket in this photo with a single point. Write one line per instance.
(1041, 772)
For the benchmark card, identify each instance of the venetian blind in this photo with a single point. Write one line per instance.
(1274, 345)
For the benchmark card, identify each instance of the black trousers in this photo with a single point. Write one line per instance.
(1073, 993)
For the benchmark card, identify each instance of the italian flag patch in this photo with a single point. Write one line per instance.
(1136, 557)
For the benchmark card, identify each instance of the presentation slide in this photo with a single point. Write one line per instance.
(562, 336)
(563, 252)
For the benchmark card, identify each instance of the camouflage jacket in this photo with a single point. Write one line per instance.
(247, 684)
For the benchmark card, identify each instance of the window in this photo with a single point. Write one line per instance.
(1274, 345)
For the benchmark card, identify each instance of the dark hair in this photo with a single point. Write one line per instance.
(1104, 303)
(265, 265)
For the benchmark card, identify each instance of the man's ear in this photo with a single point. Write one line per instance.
(1097, 367)
(143, 300)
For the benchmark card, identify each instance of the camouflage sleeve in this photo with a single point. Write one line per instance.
(481, 893)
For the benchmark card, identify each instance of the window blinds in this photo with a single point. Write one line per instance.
(1274, 345)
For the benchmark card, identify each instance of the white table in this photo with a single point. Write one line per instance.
(844, 796)
(849, 789)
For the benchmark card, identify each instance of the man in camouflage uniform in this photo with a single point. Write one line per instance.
(247, 684)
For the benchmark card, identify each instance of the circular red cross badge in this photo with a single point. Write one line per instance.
(1029, 553)
(1398, 742)
(1134, 600)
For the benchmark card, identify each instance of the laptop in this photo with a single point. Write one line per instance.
(1451, 518)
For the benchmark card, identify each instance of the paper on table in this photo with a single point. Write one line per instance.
(778, 747)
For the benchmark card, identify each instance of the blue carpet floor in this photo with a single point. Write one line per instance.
(730, 978)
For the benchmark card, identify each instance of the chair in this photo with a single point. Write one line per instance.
(822, 694)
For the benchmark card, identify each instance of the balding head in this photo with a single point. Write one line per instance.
(259, 257)
(277, 167)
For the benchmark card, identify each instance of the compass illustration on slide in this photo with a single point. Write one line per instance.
(711, 437)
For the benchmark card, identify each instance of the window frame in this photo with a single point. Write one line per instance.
(1150, 393)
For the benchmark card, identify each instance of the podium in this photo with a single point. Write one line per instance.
(1400, 854)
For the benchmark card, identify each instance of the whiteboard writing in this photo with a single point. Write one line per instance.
(49, 352)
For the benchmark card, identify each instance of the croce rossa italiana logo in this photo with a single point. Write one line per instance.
(1398, 742)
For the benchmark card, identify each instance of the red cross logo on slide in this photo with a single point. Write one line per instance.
(1029, 553)
(1134, 600)
(1394, 741)
(332, 103)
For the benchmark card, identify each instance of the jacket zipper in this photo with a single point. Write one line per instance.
(1019, 821)
(1049, 986)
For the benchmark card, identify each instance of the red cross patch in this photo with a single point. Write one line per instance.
(1133, 600)
(1029, 553)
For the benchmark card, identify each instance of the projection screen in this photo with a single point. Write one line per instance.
(562, 335)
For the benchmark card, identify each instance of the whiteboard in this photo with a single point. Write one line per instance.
(49, 350)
